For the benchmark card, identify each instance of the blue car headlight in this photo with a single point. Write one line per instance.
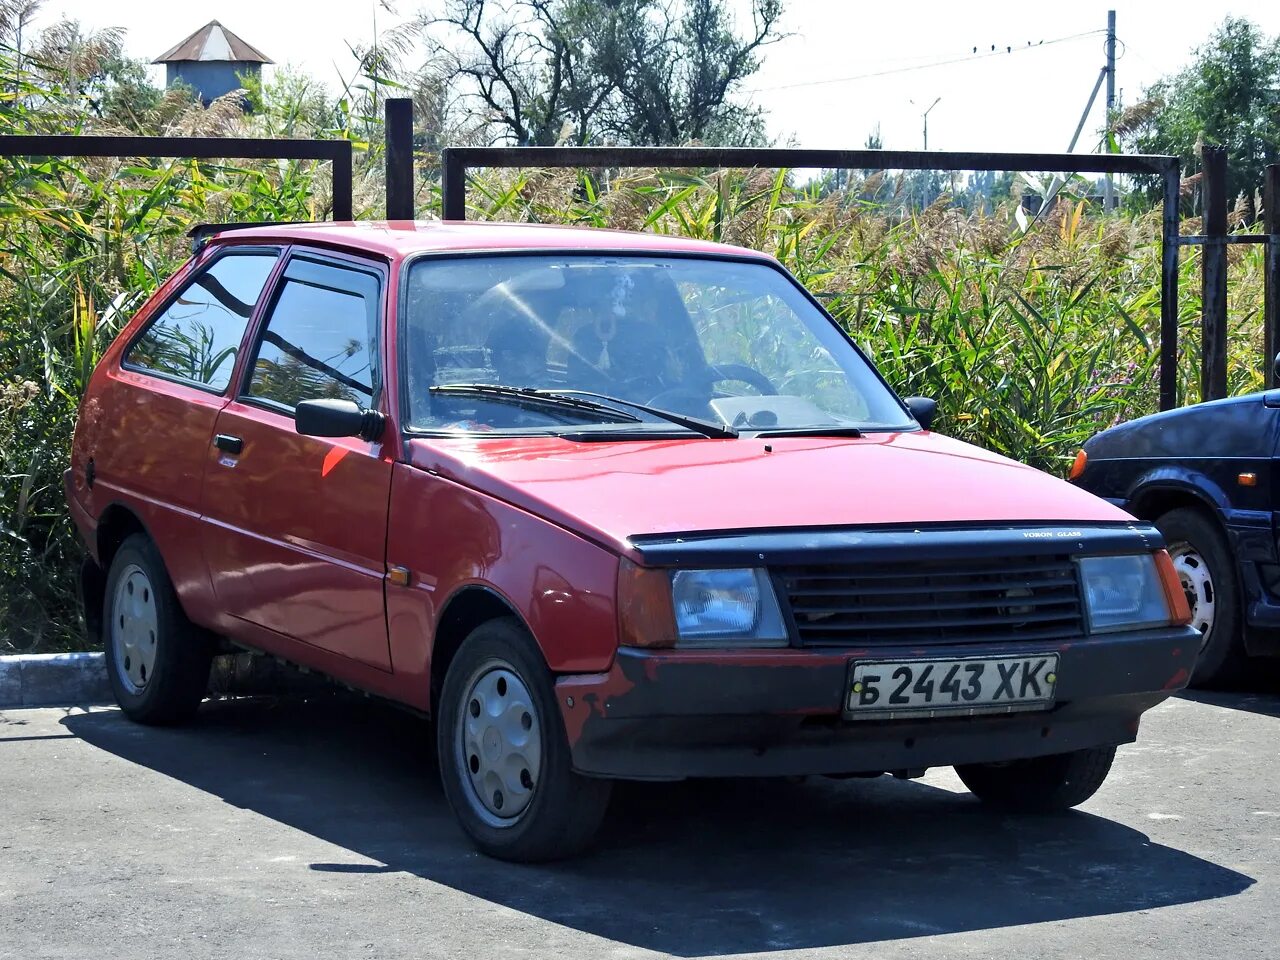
(1124, 593)
(726, 608)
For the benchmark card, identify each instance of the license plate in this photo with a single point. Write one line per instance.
(894, 688)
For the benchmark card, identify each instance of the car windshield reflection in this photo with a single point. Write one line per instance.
(736, 345)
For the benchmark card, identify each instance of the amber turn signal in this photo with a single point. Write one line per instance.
(1077, 467)
(1247, 479)
(1179, 611)
(646, 617)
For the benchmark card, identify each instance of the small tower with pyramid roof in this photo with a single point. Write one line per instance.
(211, 61)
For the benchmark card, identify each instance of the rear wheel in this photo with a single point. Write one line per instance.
(1207, 572)
(1041, 784)
(157, 660)
(504, 754)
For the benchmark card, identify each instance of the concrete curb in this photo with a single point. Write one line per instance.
(63, 679)
(49, 679)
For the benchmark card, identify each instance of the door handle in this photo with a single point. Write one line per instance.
(227, 443)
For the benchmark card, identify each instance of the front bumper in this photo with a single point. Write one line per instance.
(674, 714)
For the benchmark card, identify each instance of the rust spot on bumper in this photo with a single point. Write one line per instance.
(581, 696)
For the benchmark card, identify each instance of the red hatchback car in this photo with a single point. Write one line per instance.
(605, 505)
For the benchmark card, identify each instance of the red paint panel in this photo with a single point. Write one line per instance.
(611, 491)
(148, 440)
(293, 546)
(451, 537)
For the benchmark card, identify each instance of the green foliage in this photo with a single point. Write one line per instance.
(1032, 333)
(83, 242)
(1229, 96)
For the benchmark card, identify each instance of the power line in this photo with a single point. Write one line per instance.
(928, 66)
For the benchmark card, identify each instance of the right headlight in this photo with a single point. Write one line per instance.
(1132, 592)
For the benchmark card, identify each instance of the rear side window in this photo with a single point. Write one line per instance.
(320, 340)
(197, 336)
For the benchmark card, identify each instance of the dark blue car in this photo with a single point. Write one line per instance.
(1204, 475)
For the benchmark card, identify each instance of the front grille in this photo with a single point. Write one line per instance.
(951, 601)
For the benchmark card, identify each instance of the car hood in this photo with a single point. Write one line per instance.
(1233, 427)
(614, 491)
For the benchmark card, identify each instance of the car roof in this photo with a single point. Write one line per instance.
(396, 239)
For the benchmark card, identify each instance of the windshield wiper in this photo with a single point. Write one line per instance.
(705, 427)
(606, 405)
(832, 431)
(528, 396)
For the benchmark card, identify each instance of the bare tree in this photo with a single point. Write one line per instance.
(543, 72)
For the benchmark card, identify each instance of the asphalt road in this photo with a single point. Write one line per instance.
(317, 829)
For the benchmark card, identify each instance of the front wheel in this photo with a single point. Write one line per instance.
(1041, 784)
(1207, 572)
(504, 755)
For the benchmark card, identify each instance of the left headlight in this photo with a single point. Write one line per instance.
(720, 607)
(661, 608)
(1131, 592)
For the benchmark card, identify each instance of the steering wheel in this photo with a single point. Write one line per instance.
(697, 399)
(681, 399)
(744, 374)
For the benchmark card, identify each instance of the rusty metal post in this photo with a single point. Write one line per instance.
(1169, 288)
(453, 185)
(399, 134)
(1271, 302)
(1213, 274)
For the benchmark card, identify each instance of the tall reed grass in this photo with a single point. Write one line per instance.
(1030, 339)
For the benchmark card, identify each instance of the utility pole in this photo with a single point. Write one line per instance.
(926, 123)
(924, 188)
(1108, 190)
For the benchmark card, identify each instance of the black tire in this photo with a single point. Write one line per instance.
(564, 809)
(1222, 658)
(1041, 784)
(179, 677)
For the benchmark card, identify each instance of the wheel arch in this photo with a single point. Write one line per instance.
(466, 609)
(1152, 497)
(116, 524)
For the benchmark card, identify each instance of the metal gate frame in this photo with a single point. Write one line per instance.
(456, 161)
(1213, 272)
(337, 152)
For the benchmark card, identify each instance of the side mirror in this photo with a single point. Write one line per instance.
(923, 409)
(337, 418)
(1275, 368)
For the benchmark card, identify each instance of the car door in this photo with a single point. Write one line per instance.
(295, 527)
(146, 435)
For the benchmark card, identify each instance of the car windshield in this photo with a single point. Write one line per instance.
(725, 341)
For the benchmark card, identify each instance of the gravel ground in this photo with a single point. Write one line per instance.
(318, 829)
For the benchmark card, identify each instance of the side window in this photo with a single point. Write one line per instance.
(321, 337)
(197, 336)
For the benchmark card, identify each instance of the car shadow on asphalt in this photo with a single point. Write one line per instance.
(701, 868)
(1258, 692)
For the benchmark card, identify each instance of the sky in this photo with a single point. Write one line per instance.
(1027, 100)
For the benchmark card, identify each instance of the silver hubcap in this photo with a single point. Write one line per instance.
(499, 743)
(134, 625)
(1193, 573)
